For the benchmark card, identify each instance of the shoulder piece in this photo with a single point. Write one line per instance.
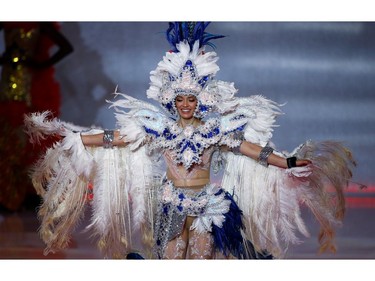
(140, 119)
(252, 119)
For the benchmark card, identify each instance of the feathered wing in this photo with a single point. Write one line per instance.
(271, 198)
(122, 217)
(61, 178)
(126, 206)
(133, 116)
(331, 173)
(121, 180)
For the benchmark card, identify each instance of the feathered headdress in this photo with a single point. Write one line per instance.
(190, 32)
(187, 69)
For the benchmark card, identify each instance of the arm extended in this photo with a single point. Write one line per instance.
(254, 151)
(102, 139)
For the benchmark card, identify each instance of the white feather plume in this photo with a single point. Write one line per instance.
(60, 177)
(271, 198)
(122, 204)
(132, 115)
(122, 181)
(261, 114)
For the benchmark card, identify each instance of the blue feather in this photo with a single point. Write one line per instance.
(134, 256)
(228, 239)
(191, 32)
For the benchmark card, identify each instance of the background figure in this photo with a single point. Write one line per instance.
(27, 84)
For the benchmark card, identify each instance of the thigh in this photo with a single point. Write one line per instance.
(176, 248)
(200, 245)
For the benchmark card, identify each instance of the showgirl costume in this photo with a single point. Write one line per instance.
(254, 213)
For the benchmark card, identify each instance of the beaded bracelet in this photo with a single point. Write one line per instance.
(264, 154)
(108, 138)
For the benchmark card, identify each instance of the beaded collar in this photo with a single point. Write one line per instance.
(187, 144)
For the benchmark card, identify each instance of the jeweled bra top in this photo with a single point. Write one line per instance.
(174, 169)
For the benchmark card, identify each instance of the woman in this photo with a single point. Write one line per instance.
(253, 213)
(189, 242)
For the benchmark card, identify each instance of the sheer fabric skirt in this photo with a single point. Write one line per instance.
(216, 223)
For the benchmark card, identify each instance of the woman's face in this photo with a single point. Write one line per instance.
(186, 106)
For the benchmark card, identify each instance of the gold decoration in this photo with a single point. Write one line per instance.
(16, 76)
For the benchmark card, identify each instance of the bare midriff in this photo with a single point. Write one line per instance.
(199, 180)
(191, 183)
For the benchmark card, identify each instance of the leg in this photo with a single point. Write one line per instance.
(176, 248)
(200, 245)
